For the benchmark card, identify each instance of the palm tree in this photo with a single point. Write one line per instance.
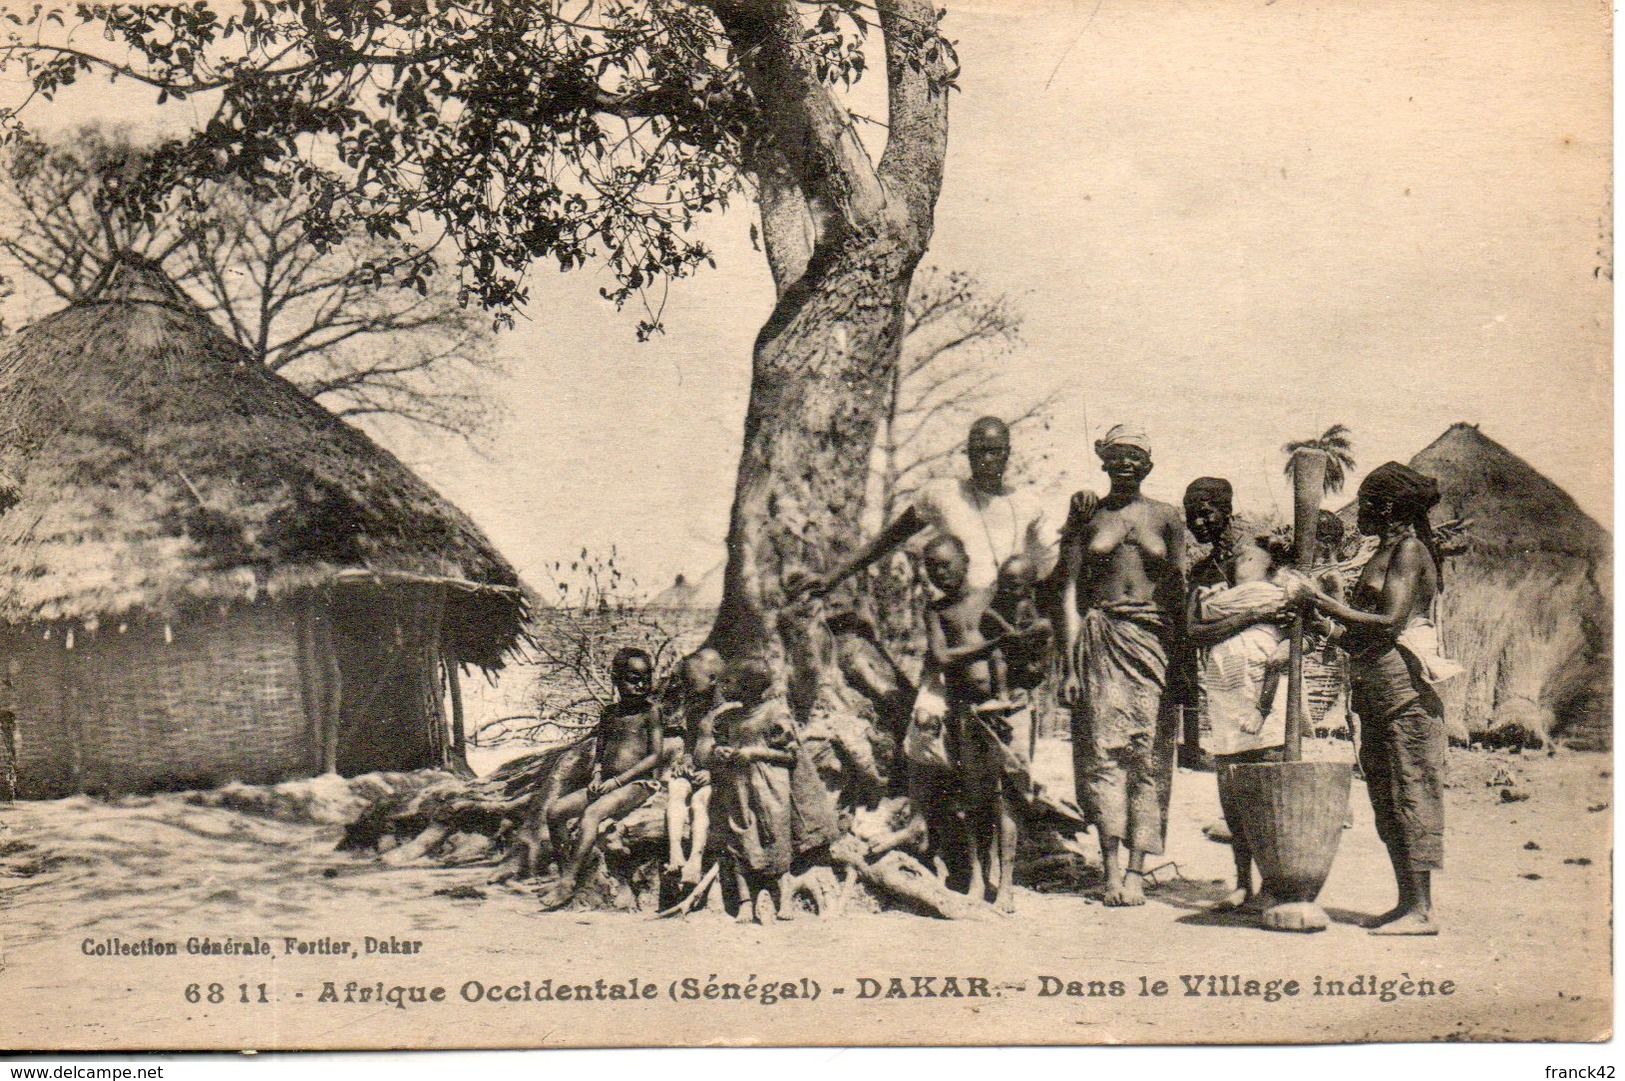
(1338, 447)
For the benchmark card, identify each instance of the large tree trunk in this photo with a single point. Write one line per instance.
(843, 237)
(817, 395)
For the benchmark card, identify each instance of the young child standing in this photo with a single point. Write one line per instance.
(975, 678)
(688, 787)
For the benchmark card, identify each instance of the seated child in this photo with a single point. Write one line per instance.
(628, 747)
(688, 787)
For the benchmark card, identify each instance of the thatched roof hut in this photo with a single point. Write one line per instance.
(205, 576)
(1528, 605)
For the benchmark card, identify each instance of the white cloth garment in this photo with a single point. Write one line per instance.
(1230, 674)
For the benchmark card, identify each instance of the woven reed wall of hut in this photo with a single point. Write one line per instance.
(293, 598)
(216, 699)
(250, 694)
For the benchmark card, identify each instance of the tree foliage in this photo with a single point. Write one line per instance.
(1338, 445)
(541, 130)
(363, 325)
(578, 131)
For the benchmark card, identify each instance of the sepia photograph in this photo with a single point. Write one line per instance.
(805, 523)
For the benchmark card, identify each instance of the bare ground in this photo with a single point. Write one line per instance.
(1525, 902)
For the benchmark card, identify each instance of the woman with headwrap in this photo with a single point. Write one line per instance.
(1231, 637)
(1394, 663)
(1123, 581)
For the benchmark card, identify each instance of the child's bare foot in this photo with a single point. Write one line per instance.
(1005, 902)
(691, 873)
(1233, 901)
(1411, 923)
(557, 897)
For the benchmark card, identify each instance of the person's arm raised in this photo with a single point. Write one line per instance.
(887, 541)
(1207, 632)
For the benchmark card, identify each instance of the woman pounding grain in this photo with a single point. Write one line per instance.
(1122, 582)
(1394, 659)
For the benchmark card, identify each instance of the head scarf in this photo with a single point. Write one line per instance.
(1412, 495)
(1124, 435)
(1409, 492)
(1209, 491)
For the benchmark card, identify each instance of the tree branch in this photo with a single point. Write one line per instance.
(809, 129)
(917, 80)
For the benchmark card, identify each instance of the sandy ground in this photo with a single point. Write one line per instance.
(1526, 947)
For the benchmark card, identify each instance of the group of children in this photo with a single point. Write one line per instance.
(725, 749)
(728, 753)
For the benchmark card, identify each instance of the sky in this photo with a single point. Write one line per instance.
(1235, 222)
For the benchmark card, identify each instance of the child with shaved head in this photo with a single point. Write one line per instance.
(975, 676)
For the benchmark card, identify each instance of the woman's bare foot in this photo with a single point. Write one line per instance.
(1127, 893)
(1386, 918)
(1411, 923)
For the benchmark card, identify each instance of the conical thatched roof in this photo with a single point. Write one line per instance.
(1514, 508)
(1526, 606)
(147, 463)
(704, 592)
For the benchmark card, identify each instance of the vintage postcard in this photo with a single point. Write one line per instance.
(536, 524)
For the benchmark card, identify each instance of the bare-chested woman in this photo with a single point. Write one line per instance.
(1123, 582)
(1394, 664)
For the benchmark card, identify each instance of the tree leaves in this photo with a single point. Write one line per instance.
(590, 131)
(1337, 444)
